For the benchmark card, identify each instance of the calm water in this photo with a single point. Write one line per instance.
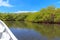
(33, 31)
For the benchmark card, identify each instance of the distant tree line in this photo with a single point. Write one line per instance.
(48, 14)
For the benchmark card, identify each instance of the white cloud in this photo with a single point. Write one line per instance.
(24, 11)
(5, 3)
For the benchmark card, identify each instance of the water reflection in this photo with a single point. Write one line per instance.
(25, 34)
(41, 31)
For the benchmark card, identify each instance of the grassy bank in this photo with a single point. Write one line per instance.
(46, 15)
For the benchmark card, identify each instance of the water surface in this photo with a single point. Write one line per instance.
(34, 31)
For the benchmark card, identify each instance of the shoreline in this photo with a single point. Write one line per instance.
(37, 22)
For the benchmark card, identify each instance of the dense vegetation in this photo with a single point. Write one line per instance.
(49, 14)
(13, 16)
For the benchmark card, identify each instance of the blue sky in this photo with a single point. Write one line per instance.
(26, 5)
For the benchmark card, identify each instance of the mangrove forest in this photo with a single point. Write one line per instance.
(47, 15)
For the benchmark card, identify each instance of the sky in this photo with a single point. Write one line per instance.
(26, 5)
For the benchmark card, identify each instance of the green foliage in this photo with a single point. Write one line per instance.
(21, 16)
(44, 15)
(10, 17)
(49, 14)
(13, 16)
(2, 16)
